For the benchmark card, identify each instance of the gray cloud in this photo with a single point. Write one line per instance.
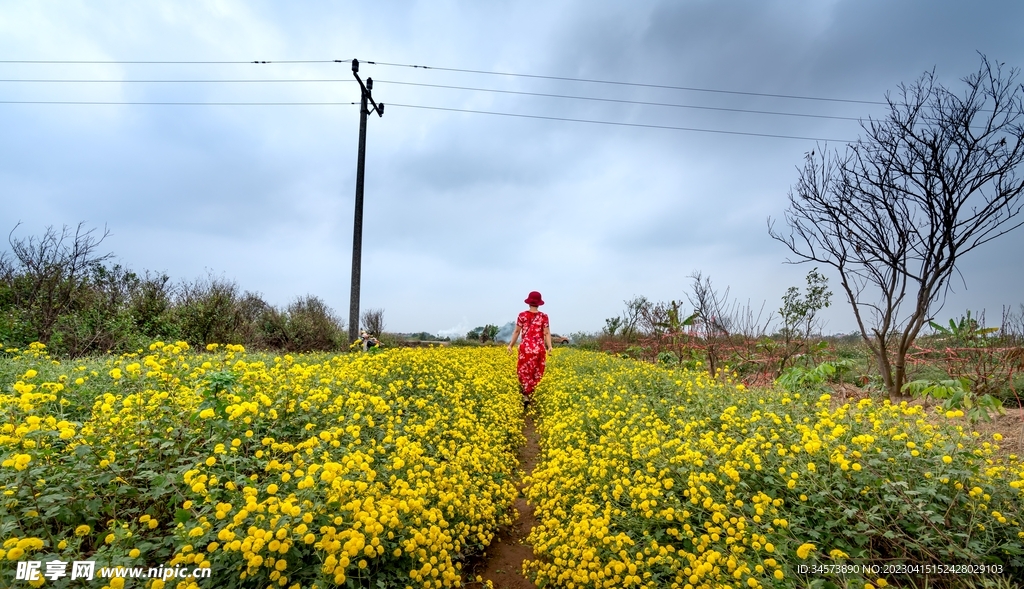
(466, 213)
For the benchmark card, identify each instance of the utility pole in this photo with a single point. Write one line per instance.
(357, 230)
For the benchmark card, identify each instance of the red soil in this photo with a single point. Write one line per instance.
(502, 563)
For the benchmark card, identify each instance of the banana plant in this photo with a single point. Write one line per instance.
(966, 331)
(673, 324)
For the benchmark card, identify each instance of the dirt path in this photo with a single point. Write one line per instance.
(502, 564)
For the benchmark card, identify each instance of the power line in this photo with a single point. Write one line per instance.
(112, 62)
(494, 113)
(42, 80)
(620, 101)
(444, 86)
(101, 103)
(618, 124)
(462, 70)
(153, 103)
(620, 83)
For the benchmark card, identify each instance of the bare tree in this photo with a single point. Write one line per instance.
(631, 316)
(748, 324)
(1012, 329)
(47, 274)
(712, 316)
(373, 321)
(894, 213)
(654, 319)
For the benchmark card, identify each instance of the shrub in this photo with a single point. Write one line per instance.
(313, 326)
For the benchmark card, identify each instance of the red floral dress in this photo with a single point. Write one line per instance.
(532, 354)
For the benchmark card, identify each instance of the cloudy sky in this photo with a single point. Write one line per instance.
(466, 212)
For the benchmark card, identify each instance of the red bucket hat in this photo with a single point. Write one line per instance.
(534, 299)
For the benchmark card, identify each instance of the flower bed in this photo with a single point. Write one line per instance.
(655, 478)
(354, 470)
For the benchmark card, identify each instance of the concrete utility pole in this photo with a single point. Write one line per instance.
(357, 231)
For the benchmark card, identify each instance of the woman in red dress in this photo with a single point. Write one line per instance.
(536, 331)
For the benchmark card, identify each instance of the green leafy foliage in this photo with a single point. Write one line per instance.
(798, 378)
(799, 311)
(965, 332)
(673, 323)
(59, 290)
(612, 325)
(956, 394)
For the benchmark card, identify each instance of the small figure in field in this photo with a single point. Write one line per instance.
(368, 340)
(536, 331)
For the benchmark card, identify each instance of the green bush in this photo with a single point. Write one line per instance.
(57, 289)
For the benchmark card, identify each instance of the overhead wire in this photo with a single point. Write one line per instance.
(217, 81)
(618, 124)
(117, 62)
(445, 86)
(424, 107)
(621, 101)
(129, 103)
(461, 70)
(621, 83)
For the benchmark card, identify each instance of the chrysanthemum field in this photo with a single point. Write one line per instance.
(392, 469)
(653, 478)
